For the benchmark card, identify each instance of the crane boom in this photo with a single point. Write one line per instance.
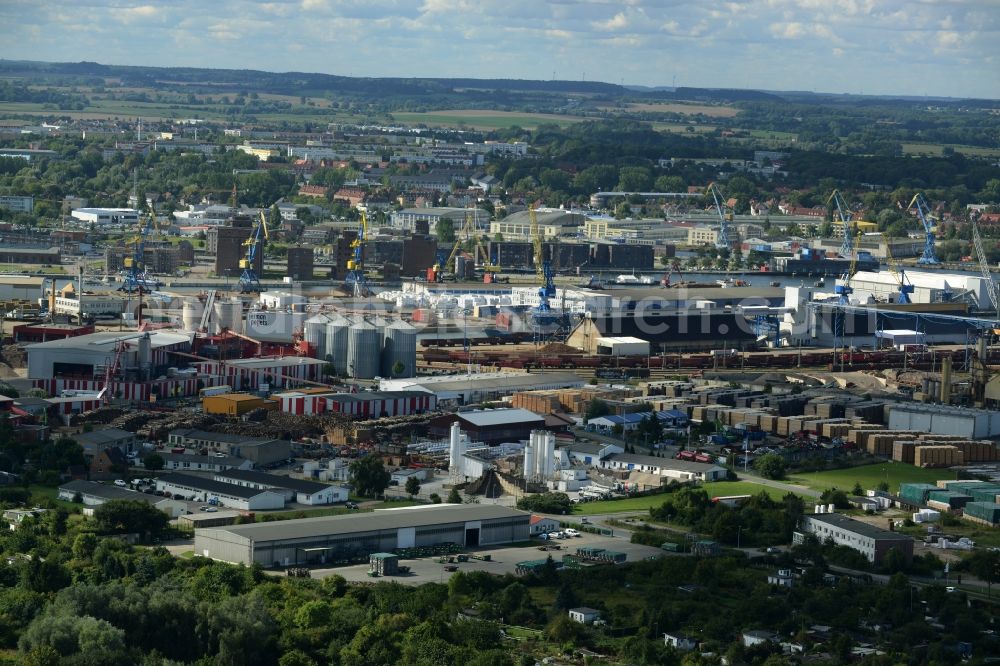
(847, 246)
(725, 217)
(905, 288)
(536, 239)
(929, 255)
(356, 264)
(984, 267)
(249, 280)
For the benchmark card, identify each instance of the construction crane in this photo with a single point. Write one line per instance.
(984, 267)
(929, 255)
(355, 279)
(847, 246)
(725, 217)
(844, 291)
(543, 267)
(249, 280)
(905, 287)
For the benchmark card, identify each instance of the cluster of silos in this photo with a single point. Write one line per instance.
(540, 455)
(365, 347)
(226, 315)
(336, 343)
(315, 334)
(364, 350)
(399, 349)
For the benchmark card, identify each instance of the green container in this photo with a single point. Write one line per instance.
(986, 493)
(987, 511)
(953, 499)
(916, 492)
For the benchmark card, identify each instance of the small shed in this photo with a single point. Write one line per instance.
(900, 339)
(706, 548)
(584, 615)
(383, 564)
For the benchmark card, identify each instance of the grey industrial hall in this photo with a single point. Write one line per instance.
(336, 538)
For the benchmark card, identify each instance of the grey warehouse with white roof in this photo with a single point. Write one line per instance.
(332, 538)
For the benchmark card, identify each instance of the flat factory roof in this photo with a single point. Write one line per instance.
(856, 526)
(209, 485)
(274, 481)
(439, 514)
(492, 417)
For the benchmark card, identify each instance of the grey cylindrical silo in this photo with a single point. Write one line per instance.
(315, 332)
(399, 347)
(336, 342)
(364, 350)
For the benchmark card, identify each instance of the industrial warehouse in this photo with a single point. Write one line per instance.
(331, 539)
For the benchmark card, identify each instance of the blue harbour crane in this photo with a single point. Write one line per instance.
(135, 277)
(929, 255)
(249, 280)
(725, 216)
(845, 219)
(355, 279)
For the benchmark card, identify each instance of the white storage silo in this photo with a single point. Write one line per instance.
(364, 350)
(315, 334)
(336, 342)
(229, 315)
(529, 462)
(191, 313)
(399, 349)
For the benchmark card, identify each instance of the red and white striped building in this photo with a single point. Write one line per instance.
(174, 387)
(359, 405)
(277, 372)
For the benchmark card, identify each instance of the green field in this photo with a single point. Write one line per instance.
(869, 476)
(644, 503)
(483, 119)
(937, 149)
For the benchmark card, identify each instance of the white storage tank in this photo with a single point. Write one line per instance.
(336, 342)
(229, 315)
(191, 314)
(364, 350)
(272, 326)
(399, 349)
(315, 334)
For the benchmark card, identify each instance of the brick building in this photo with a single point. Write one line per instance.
(300, 263)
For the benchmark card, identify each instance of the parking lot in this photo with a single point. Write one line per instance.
(503, 560)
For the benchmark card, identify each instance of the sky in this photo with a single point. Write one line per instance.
(901, 47)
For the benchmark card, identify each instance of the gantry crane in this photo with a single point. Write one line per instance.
(355, 279)
(725, 217)
(847, 246)
(844, 291)
(249, 280)
(984, 267)
(135, 277)
(905, 287)
(543, 267)
(929, 255)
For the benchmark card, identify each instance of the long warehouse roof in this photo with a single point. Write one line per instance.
(383, 519)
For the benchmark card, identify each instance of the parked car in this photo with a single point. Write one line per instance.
(120, 483)
(570, 532)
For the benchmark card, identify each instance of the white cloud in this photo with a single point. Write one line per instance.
(947, 46)
(616, 22)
